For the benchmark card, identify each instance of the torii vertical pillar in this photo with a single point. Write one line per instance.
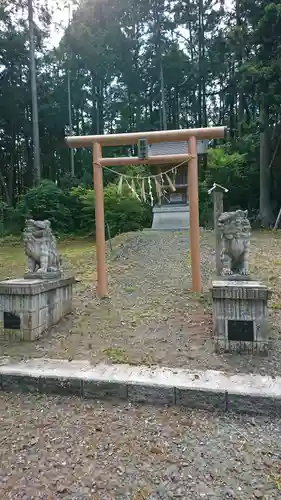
(102, 280)
(194, 232)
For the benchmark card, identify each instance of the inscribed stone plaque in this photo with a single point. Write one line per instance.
(11, 321)
(240, 330)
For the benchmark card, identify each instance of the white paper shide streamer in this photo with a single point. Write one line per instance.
(132, 188)
(150, 192)
(171, 185)
(158, 188)
(138, 190)
(143, 194)
(120, 184)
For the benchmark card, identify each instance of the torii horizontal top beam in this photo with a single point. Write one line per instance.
(152, 137)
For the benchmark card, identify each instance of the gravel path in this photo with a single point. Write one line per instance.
(151, 316)
(56, 448)
(63, 448)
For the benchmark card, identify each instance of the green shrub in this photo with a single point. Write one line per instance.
(74, 211)
(205, 205)
(88, 217)
(228, 170)
(9, 219)
(47, 201)
(76, 205)
(123, 212)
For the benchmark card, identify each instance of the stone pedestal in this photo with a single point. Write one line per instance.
(50, 275)
(171, 218)
(28, 308)
(240, 315)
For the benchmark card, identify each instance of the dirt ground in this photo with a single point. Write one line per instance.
(151, 317)
(59, 448)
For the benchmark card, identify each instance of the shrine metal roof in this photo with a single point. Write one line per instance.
(169, 148)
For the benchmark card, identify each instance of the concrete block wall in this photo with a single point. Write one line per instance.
(35, 304)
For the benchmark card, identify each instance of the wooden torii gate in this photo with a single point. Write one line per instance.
(190, 135)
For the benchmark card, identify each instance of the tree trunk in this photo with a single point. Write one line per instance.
(3, 183)
(94, 103)
(158, 52)
(240, 54)
(200, 61)
(231, 101)
(101, 106)
(35, 122)
(266, 214)
(163, 100)
(69, 103)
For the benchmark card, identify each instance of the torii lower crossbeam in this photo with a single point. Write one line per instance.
(190, 135)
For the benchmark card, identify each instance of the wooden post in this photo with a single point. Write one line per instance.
(194, 215)
(217, 191)
(102, 284)
(277, 220)
(218, 209)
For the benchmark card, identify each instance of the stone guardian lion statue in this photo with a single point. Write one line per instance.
(235, 230)
(41, 248)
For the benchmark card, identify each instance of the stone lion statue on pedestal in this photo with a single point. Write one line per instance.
(235, 230)
(41, 248)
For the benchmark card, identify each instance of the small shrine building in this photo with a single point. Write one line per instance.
(171, 210)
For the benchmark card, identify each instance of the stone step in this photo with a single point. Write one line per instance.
(211, 390)
(170, 218)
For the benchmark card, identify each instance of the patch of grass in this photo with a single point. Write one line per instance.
(276, 305)
(129, 289)
(147, 360)
(276, 480)
(276, 262)
(77, 254)
(143, 493)
(10, 240)
(116, 355)
(12, 261)
(206, 299)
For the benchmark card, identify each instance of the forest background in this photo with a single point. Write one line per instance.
(126, 65)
